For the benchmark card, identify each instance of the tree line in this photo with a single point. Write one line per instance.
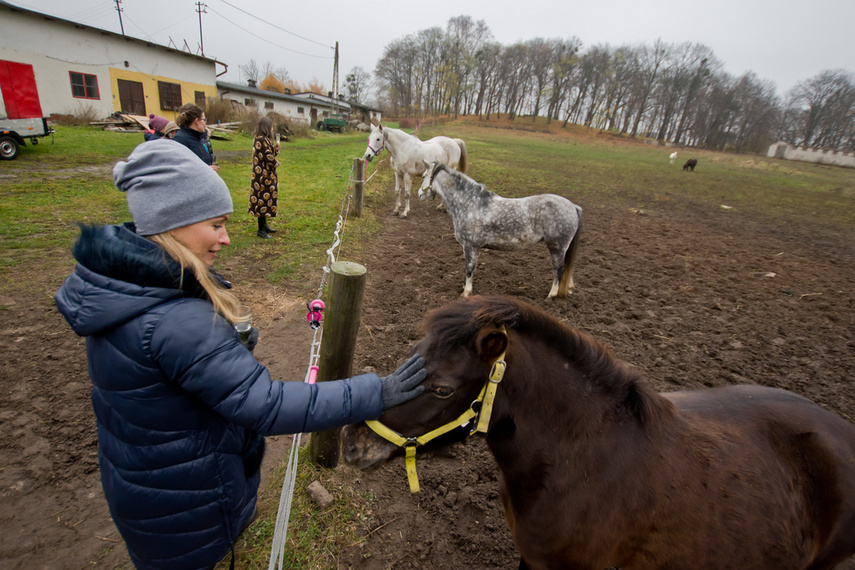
(677, 93)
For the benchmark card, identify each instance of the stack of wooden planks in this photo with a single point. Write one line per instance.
(127, 123)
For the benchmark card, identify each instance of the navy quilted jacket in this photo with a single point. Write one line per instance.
(178, 401)
(194, 140)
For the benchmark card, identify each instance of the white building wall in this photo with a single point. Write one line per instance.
(819, 156)
(281, 106)
(56, 47)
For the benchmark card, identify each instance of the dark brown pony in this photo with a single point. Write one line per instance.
(598, 470)
(690, 164)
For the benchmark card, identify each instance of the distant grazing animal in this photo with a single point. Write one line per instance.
(484, 219)
(408, 156)
(690, 164)
(597, 470)
(673, 157)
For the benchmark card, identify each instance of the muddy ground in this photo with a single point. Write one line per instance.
(692, 296)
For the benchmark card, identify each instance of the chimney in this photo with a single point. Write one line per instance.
(251, 83)
(287, 91)
(329, 94)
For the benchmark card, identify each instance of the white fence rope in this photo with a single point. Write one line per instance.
(280, 533)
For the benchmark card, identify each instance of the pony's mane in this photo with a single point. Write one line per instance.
(461, 180)
(458, 323)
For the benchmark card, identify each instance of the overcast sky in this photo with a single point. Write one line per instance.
(785, 41)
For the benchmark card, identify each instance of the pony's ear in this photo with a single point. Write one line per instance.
(490, 343)
(427, 165)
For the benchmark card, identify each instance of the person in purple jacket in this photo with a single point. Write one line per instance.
(182, 407)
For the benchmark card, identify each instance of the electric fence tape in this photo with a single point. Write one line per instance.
(280, 532)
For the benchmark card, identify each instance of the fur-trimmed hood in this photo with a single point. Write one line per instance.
(119, 276)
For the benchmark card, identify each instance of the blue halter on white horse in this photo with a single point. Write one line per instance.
(408, 156)
(484, 219)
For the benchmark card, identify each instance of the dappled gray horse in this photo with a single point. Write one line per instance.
(484, 219)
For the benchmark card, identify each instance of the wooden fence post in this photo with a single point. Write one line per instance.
(358, 185)
(341, 323)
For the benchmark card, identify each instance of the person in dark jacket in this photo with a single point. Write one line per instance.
(193, 132)
(181, 405)
(156, 126)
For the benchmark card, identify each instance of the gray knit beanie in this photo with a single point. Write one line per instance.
(169, 187)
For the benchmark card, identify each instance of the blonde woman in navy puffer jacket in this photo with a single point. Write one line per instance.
(182, 406)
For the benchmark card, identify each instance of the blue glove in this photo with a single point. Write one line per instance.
(251, 340)
(403, 384)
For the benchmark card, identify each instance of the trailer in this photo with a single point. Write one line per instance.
(20, 109)
(334, 122)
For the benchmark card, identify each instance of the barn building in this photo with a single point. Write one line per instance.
(79, 67)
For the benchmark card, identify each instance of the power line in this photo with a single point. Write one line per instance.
(172, 25)
(139, 28)
(268, 41)
(91, 13)
(273, 25)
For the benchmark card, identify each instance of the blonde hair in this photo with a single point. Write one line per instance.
(224, 301)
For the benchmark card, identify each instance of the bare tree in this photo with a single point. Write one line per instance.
(486, 75)
(250, 71)
(650, 60)
(541, 57)
(394, 73)
(357, 84)
(671, 92)
(464, 38)
(822, 110)
(565, 59)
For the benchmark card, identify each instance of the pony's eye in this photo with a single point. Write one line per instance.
(443, 391)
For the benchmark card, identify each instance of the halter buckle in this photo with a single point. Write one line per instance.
(498, 371)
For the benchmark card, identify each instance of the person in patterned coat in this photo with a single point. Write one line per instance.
(265, 185)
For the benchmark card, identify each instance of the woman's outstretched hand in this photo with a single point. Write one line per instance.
(403, 384)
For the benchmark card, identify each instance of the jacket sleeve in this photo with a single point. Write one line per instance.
(199, 351)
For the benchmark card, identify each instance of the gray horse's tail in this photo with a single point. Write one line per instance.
(566, 283)
(464, 156)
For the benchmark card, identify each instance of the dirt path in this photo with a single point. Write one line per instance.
(692, 298)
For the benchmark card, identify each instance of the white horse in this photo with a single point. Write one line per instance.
(673, 157)
(409, 154)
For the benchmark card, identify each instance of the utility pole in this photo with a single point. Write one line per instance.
(119, 10)
(200, 7)
(335, 81)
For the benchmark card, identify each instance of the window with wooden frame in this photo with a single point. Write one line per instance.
(301, 110)
(84, 85)
(170, 95)
(200, 98)
(268, 104)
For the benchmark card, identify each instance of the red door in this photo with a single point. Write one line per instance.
(20, 95)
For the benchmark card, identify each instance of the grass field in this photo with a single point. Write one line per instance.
(51, 187)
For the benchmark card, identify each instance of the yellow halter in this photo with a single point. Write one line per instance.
(486, 398)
